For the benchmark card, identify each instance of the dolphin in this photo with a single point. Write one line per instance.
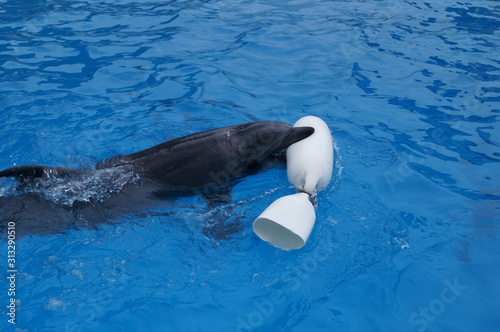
(207, 163)
(201, 161)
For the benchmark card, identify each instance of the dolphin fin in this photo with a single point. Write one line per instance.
(223, 223)
(220, 196)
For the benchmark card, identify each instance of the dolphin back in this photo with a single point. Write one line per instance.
(216, 156)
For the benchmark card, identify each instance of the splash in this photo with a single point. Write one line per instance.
(85, 186)
(337, 167)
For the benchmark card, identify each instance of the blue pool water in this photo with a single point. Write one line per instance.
(407, 234)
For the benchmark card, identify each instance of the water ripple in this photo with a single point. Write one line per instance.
(409, 89)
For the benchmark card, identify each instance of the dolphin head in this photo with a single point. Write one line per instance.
(255, 142)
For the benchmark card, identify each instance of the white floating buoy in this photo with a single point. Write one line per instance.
(310, 161)
(288, 221)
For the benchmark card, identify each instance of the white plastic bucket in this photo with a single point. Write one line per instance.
(287, 222)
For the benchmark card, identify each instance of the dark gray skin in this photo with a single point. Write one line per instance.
(215, 157)
(206, 163)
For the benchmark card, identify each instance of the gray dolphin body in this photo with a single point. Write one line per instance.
(210, 158)
(206, 163)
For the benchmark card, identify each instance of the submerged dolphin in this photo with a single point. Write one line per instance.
(206, 163)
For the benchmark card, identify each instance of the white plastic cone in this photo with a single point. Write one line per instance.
(287, 222)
